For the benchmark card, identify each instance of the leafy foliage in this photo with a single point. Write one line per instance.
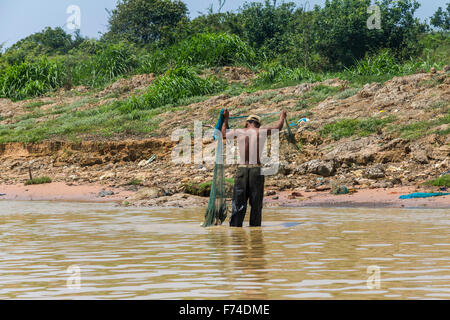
(47, 42)
(146, 21)
(441, 18)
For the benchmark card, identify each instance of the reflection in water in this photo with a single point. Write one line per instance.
(164, 254)
(249, 260)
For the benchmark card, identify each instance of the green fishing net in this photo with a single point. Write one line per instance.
(290, 136)
(216, 213)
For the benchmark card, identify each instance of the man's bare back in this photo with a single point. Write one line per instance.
(251, 139)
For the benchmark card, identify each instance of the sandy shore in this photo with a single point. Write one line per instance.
(60, 191)
(372, 198)
(362, 198)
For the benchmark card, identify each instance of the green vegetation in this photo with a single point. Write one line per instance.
(203, 189)
(419, 129)
(212, 50)
(30, 79)
(41, 180)
(177, 84)
(135, 182)
(350, 92)
(349, 127)
(443, 181)
(37, 104)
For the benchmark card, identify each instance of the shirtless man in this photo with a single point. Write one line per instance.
(249, 182)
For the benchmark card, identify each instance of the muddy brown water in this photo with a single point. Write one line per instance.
(141, 253)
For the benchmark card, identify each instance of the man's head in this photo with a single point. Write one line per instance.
(253, 120)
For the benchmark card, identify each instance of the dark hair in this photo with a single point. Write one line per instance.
(257, 124)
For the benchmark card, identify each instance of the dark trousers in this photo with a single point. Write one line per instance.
(248, 186)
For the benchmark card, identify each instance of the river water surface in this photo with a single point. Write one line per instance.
(164, 254)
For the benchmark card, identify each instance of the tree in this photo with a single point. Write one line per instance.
(47, 42)
(441, 19)
(342, 35)
(264, 24)
(147, 21)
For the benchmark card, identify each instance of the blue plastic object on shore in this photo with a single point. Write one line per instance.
(293, 124)
(423, 195)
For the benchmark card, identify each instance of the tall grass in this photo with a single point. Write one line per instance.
(277, 73)
(30, 79)
(110, 63)
(172, 87)
(214, 50)
(385, 63)
(203, 50)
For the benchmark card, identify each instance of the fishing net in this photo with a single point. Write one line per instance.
(216, 213)
(290, 136)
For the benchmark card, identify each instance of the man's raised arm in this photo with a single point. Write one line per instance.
(226, 116)
(280, 123)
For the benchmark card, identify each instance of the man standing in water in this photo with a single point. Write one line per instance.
(249, 182)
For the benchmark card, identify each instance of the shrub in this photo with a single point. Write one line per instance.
(41, 180)
(443, 181)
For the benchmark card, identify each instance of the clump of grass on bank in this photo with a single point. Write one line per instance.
(177, 84)
(349, 127)
(443, 181)
(40, 180)
(320, 93)
(203, 189)
(135, 182)
(419, 129)
(350, 92)
(279, 74)
(315, 96)
(37, 104)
